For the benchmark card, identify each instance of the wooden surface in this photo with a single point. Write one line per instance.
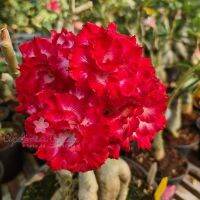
(189, 188)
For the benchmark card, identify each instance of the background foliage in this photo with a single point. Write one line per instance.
(169, 29)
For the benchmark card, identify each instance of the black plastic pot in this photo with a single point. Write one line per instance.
(33, 151)
(186, 149)
(11, 161)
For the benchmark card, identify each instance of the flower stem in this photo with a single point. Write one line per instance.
(8, 51)
(159, 149)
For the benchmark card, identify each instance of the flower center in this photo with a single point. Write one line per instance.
(70, 44)
(63, 138)
(40, 125)
(108, 57)
(48, 78)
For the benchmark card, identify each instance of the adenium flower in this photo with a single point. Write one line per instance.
(112, 65)
(53, 5)
(88, 96)
(65, 132)
(44, 65)
(150, 22)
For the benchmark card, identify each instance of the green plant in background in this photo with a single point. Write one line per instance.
(10, 122)
(35, 16)
(27, 16)
(168, 28)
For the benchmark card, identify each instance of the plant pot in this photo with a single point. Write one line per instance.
(186, 149)
(32, 151)
(186, 145)
(194, 157)
(11, 161)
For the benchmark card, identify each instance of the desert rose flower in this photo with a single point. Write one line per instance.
(53, 5)
(88, 96)
(45, 66)
(113, 65)
(65, 132)
(150, 22)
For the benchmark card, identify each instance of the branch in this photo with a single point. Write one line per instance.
(83, 7)
(73, 6)
(8, 51)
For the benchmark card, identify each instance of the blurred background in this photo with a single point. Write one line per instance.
(169, 31)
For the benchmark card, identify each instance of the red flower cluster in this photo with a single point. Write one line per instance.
(53, 5)
(88, 97)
